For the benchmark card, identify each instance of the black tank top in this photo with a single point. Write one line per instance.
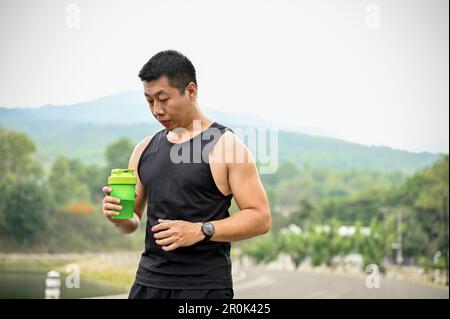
(179, 185)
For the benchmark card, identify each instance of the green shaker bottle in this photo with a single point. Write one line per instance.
(123, 184)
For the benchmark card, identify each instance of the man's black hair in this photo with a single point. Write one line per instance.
(177, 67)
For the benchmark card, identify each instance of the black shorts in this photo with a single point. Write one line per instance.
(139, 291)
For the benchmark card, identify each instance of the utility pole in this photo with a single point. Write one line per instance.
(399, 238)
(386, 253)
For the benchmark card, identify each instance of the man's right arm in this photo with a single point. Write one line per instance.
(128, 226)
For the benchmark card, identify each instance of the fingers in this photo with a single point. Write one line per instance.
(161, 226)
(162, 234)
(166, 241)
(109, 203)
(113, 200)
(110, 213)
(106, 190)
(170, 247)
(109, 199)
(108, 206)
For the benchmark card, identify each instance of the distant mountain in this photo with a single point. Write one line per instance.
(84, 130)
(124, 108)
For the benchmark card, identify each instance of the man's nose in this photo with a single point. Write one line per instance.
(158, 109)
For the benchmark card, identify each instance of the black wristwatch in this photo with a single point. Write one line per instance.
(209, 230)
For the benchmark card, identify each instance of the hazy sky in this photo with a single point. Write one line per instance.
(372, 72)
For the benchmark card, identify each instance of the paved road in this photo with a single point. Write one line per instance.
(260, 283)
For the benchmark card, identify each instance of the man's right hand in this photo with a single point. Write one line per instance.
(126, 226)
(110, 204)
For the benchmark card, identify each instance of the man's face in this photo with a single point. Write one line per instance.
(167, 104)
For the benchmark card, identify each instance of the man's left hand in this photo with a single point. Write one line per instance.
(171, 234)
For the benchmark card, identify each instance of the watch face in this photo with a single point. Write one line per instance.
(208, 228)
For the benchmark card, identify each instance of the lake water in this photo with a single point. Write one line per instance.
(14, 285)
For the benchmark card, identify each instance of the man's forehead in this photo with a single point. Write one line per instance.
(156, 87)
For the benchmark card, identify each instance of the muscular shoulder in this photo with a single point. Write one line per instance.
(231, 150)
(143, 143)
(138, 149)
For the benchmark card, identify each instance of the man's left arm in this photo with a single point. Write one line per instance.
(251, 220)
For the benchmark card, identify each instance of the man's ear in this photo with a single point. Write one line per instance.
(191, 91)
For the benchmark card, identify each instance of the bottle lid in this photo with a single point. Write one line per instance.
(122, 176)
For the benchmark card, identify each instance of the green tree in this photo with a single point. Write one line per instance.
(29, 212)
(425, 194)
(316, 243)
(118, 154)
(378, 245)
(434, 199)
(263, 249)
(18, 167)
(93, 176)
(295, 245)
(305, 213)
(324, 243)
(64, 186)
(17, 151)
